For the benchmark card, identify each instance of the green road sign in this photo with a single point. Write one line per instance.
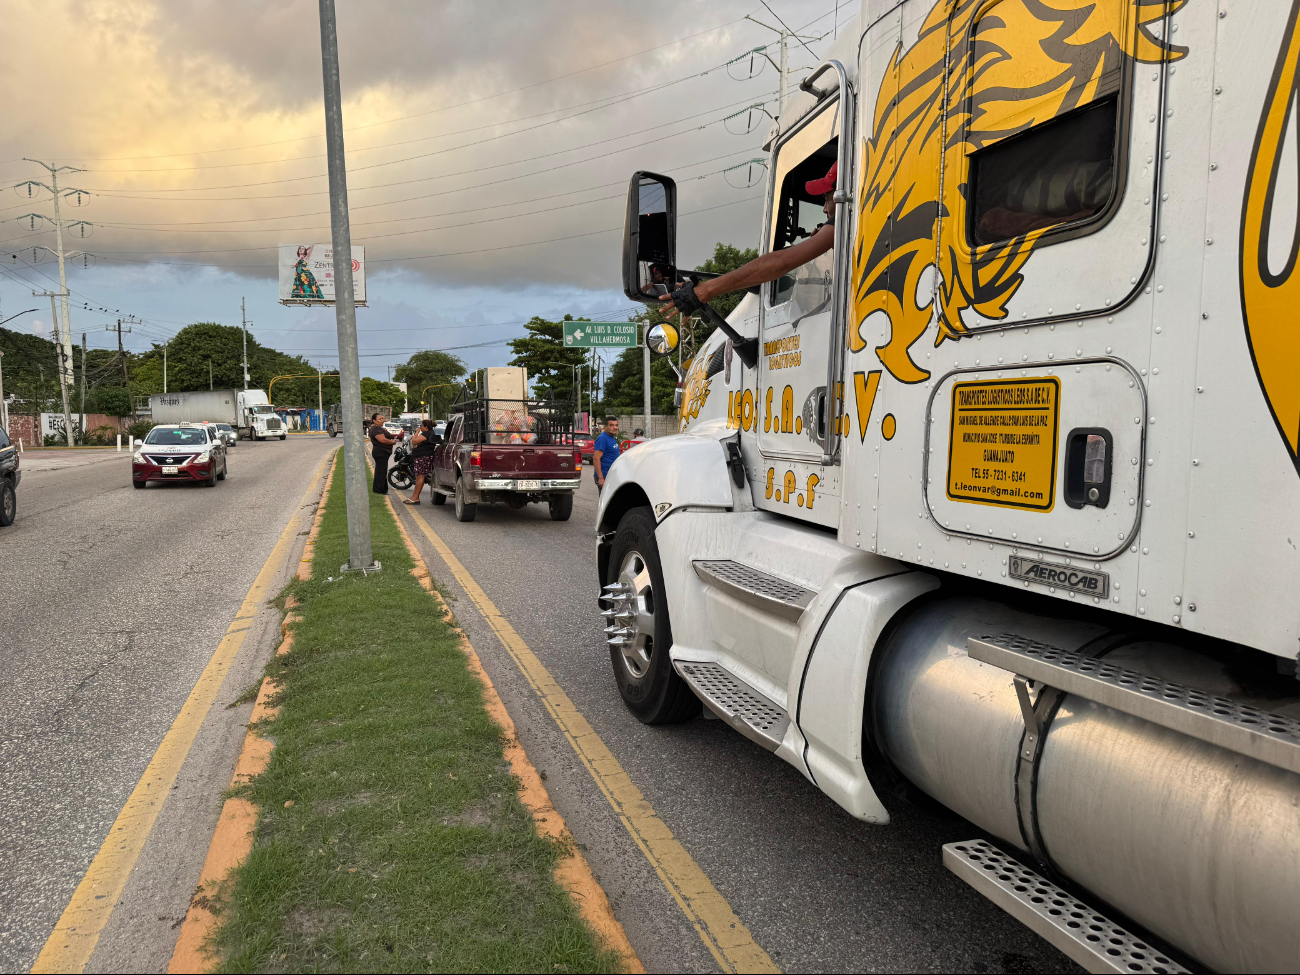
(600, 335)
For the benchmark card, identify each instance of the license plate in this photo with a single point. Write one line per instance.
(530, 485)
(1060, 576)
(171, 469)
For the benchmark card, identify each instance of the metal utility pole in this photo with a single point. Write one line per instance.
(164, 367)
(83, 383)
(53, 187)
(645, 365)
(320, 399)
(360, 553)
(63, 364)
(783, 64)
(243, 323)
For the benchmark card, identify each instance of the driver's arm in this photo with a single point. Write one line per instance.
(769, 267)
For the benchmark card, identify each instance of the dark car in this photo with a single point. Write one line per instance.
(10, 475)
(180, 452)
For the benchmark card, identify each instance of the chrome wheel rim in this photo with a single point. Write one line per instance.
(9, 498)
(631, 615)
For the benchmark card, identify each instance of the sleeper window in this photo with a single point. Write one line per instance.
(1060, 172)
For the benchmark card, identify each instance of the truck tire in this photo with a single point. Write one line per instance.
(649, 686)
(333, 432)
(464, 510)
(8, 503)
(437, 497)
(283, 436)
(561, 506)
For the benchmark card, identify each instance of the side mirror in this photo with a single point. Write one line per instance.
(650, 238)
(139, 443)
(662, 339)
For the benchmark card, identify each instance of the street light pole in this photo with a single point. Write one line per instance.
(243, 323)
(4, 408)
(360, 553)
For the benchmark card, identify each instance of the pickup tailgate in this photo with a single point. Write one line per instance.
(527, 461)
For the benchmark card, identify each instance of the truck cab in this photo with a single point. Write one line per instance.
(505, 448)
(257, 417)
(995, 502)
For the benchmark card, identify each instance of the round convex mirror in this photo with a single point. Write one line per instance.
(662, 339)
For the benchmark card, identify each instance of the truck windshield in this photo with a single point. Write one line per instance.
(172, 436)
(261, 408)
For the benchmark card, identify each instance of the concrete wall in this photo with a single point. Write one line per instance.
(660, 426)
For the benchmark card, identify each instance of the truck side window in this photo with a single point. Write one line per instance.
(805, 155)
(1062, 171)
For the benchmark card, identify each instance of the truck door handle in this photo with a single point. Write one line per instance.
(1088, 453)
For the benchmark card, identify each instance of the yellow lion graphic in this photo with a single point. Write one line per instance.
(1010, 66)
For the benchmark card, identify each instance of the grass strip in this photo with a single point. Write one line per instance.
(391, 836)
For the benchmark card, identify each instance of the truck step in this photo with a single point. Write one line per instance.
(1086, 936)
(760, 589)
(735, 702)
(1270, 738)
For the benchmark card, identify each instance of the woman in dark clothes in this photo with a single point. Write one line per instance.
(422, 447)
(381, 448)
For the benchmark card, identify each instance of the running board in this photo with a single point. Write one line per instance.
(1261, 735)
(1086, 936)
(735, 702)
(760, 589)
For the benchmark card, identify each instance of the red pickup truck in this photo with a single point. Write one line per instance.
(511, 452)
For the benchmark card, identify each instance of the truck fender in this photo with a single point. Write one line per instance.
(666, 475)
(831, 708)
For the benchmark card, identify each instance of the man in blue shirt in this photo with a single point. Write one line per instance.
(605, 452)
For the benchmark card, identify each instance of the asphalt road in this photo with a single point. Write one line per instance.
(112, 600)
(817, 889)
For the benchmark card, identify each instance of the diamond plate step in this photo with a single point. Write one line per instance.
(1267, 737)
(770, 593)
(1088, 937)
(735, 702)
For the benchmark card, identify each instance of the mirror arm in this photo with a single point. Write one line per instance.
(747, 349)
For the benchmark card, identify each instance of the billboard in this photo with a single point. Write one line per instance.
(307, 274)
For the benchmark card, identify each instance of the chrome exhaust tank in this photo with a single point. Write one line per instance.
(1198, 844)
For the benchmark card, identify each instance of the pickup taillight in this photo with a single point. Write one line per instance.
(476, 458)
(577, 457)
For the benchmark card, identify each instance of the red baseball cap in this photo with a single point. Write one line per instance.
(820, 187)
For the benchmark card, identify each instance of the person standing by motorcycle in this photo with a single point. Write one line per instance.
(423, 444)
(381, 448)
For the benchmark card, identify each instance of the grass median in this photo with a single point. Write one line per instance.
(391, 835)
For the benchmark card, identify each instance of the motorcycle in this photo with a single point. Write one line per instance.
(401, 467)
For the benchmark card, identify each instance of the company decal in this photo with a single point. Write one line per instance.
(1270, 240)
(865, 385)
(1059, 576)
(1002, 442)
(783, 353)
(1028, 61)
(695, 391)
(787, 489)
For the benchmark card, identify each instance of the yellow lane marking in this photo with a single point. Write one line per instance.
(73, 940)
(722, 932)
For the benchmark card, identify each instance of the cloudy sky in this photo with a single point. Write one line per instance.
(489, 145)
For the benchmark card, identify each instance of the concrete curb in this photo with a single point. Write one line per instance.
(232, 840)
(572, 872)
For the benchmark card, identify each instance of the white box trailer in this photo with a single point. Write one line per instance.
(998, 498)
(246, 409)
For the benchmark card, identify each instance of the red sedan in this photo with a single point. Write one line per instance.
(183, 452)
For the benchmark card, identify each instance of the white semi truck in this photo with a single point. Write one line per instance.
(998, 501)
(246, 409)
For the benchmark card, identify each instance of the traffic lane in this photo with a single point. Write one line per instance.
(113, 601)
(817, 888)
